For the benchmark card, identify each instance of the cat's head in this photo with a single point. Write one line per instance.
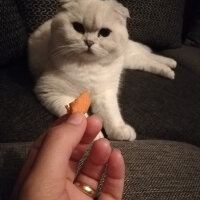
(90, 30)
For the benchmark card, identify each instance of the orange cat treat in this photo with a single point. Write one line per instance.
(81, 104)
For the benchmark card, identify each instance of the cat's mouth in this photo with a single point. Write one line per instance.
(89, 51)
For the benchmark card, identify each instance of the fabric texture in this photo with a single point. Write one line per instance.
(36, 12)
(13, 35)
(156, 23)
(160, 170)
(193, 35)
(154, 169)
(12, 157)
(23, 118)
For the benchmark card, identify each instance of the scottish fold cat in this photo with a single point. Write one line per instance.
(86, 46)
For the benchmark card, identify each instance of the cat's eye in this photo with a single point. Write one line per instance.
(78, 27)
(105, 32)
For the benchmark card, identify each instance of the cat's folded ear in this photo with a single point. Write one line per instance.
(121, 10)
(67, 4)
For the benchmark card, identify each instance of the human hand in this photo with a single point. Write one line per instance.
(50, 170)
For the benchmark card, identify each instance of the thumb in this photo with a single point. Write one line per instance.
(56, 149)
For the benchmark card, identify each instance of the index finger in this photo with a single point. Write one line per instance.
(94, 125)
(56, 149)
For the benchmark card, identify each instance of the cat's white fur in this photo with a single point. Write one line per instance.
(64, 66)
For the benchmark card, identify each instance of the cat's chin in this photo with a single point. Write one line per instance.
(89, 52)
(89, 57)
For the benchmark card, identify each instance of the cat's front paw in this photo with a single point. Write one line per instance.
(168, 73)
(171, 63)
(123, 132)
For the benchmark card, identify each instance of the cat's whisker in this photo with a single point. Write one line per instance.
(67, 50)
(59, 48)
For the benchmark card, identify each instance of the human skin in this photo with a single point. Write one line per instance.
(50, 169)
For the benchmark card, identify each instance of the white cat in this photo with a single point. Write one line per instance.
(85, 47)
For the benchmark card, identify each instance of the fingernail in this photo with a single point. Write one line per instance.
(117, 150)
(76, 118)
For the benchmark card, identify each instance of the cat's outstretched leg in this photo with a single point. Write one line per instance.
(151, 63)
(55, 102)
(171, 63)
(51, 97)
(106, 106)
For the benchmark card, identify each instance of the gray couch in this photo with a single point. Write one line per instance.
(164, 161)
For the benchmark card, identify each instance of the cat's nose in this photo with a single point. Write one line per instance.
(89, 43)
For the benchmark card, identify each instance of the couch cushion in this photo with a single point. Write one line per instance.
(12, 156)
(35, 12)
(156, 23)
(160, 170)
(160, 108)
(156, 107)
(154, 169)
(13, 35)
(193, 34)
(22, 118)
(186, 56)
